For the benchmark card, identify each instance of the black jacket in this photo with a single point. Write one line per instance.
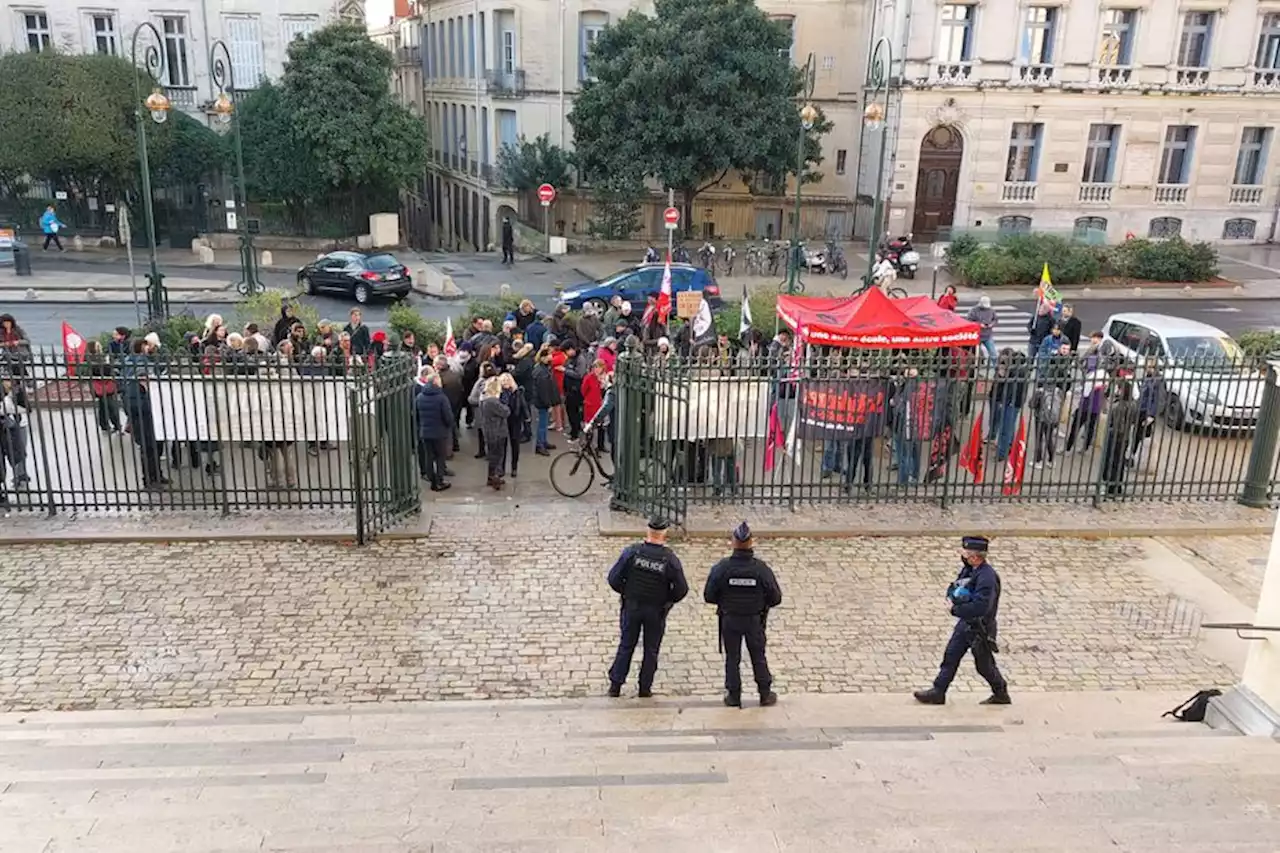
(545, 393)
(1071, 331)
(514, 401)
(435, 415)
(742, 563)
(455, 390)
(361, 339)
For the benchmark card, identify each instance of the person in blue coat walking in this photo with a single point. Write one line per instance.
(50, 225)
(974, 599)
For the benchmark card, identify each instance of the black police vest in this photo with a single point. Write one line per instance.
(647, 576)
(743, 593)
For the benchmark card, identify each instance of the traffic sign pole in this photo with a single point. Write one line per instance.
(546, 195)
(671, 232)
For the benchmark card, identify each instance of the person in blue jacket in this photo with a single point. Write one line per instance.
(974, 599)
(434, 417)
(50, 225)
(650, 579)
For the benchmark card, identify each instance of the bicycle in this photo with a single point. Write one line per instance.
(569, 464)
(891, 292)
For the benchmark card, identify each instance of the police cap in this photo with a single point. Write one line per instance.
(742, 533)
(975, 543)
(657, 522)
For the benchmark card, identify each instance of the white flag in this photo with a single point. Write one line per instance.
(450, 345)
(702, 322)
(744, 325)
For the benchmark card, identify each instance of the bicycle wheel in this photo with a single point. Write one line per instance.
(567, 476)
(897, 293)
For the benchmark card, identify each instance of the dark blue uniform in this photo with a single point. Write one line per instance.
(975, 630)
(743, 589)
(650, 579)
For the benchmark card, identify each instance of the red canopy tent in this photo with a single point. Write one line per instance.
(874, 321)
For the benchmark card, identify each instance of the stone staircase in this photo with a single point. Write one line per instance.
(1054, 772)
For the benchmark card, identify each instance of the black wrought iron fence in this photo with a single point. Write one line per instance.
(865, 426)
(220, 432)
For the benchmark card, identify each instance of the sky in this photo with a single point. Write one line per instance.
(377, 12)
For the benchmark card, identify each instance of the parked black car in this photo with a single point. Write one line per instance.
(360, 275)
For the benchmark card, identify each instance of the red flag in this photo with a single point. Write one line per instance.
(1016, 465)
(971, 456)
(450, 345)
(73, 345)
(664, 295)
(774, 439)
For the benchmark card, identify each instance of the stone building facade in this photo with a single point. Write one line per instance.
(1103, 119)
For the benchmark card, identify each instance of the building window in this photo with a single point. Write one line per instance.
(841, 156)
(177, 72)
(293, 28)
(957, 33)
(509, 51)
(788, 25)
(1175, 159)
(244, 40)
(1268, 57)
(430, 48)
(1197, 35)
(451, 60)
(1251, 162)
(36, 25)
(1089, 228)
(1117, 36)
(590, 26)
(1024, 152)
(102, 34)
(507, 134)
(1099, 153)
(471, 46)
(1038, 35)
(1008, 225)
(1239, 229)
(1163, 227)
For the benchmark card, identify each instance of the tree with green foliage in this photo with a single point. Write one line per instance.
(278, 164)
(526, 165)
(702, 88)
(616, 213)
(358, 136)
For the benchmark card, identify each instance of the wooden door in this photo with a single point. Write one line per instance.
(937, 181)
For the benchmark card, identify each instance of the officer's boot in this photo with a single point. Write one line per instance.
(733, 700)
(932, 696)
(998, 697)
(615, 690)
(768, 698)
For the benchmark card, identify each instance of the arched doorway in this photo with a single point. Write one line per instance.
(937, 181)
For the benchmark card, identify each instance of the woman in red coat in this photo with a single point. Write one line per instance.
(593, 397)
(948, 300)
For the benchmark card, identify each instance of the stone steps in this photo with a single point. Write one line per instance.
(1056, 772)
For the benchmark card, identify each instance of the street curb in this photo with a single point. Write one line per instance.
(114, 262)
(68, 300)
(611, 527)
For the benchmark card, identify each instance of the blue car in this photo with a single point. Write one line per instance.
(634, 284)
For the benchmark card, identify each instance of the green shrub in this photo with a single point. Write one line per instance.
(764, 313)
(175, 331)
(960, 248)
(1174, 259)
(264, 309)
(403, 318)
(1259, 342)
(495, 309)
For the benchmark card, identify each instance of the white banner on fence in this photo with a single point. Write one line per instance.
(245, 409)
(717, 407)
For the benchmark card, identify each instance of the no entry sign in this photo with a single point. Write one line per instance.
(546, 194)
(671, 216)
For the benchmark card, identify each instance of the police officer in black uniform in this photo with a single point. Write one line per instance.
(974, 599)
(743, 589)
(650, 579)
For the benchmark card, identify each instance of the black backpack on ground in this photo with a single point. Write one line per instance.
(1193, 710)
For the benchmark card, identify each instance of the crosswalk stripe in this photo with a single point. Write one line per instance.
(1012, 328)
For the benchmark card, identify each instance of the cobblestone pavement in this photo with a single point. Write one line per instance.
(1236, 563)
(510, 607)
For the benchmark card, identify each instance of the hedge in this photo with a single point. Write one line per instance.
(1018, 259)
(1260, 342)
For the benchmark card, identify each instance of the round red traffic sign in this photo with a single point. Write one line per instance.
(546, 193)
(671, 216)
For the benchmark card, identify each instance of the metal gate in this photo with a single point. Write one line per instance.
(384, 447)
(652, 464)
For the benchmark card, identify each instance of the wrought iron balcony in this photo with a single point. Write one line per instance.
(505, 84)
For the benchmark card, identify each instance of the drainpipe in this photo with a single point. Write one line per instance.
(862, 128)
(204, 18)
(562, 74)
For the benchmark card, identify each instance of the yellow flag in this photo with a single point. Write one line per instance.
(1047, 291)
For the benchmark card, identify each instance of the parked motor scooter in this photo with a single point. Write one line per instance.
(902, 254)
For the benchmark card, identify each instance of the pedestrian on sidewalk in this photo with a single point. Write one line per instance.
(974, 599)
(493, 428)
(135, 380)
(546, 397)
(508, 241)
(361, 337)
(517, 420)
(455, 392)
(487, 372)
(1071, 326)
(13, 431)
(51, 225)
(102, 381)
(650, 580)
(1122, 424)
(744, 590)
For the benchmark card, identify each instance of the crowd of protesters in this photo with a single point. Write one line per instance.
(15, 349)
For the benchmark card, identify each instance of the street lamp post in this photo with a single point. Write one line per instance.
(874, 118)
(158, 107)
(808, 116)
(222, 71)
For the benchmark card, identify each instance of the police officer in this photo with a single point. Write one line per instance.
(743, 589)
(650, 580)
(974, 599)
